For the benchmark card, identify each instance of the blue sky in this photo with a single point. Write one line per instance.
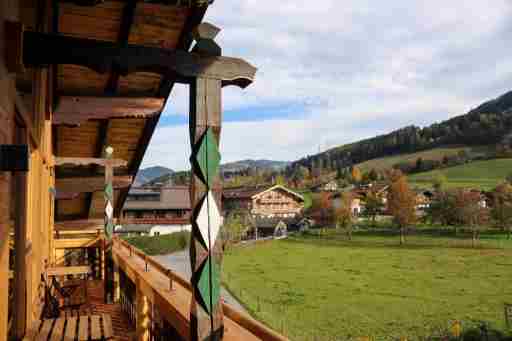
(332, 72)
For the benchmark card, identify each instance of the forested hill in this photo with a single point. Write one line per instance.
(489, 123)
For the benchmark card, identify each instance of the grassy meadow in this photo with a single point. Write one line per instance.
(163, 244)
(327, 288)
(478, 174)
(387, 162)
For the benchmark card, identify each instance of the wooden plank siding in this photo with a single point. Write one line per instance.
(34, 214)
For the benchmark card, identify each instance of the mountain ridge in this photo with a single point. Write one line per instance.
(487, 124)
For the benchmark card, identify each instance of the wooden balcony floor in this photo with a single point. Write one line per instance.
(122, 329)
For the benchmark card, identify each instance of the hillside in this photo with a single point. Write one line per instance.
(181, 177)
(242, 165)
(145, 175)
(478, 174)
(488, 124)
(436, 154)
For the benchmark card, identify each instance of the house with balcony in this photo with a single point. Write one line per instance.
(82, 87)
(160, 210)
(263, 201)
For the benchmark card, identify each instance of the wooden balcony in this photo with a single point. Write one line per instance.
(152, 303)
(157, 301)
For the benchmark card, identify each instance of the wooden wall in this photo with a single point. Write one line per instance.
(34, 218)
(8, 10)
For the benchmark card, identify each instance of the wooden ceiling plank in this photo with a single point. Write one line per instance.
(90, 184)
(73, 110)
(139, 155)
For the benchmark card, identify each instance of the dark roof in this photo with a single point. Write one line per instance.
(249, 192)
(176, 197)
(143, 191)
(242, 192)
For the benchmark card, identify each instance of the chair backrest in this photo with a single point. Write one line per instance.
(51, 304)
(58, 287)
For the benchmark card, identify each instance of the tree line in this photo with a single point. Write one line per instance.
(488, 124)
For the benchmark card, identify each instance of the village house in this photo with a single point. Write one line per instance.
(163, 205)
(162, 210)
(274, 201)
(329, 186)
(356, 202)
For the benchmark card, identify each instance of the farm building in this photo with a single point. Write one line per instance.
(274, 201)
(167, 205)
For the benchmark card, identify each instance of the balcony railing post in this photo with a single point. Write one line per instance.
(142, 316)
(169, 275)
(116, 289)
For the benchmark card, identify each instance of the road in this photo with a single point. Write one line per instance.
(180, 263)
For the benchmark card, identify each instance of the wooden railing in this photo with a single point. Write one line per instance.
(167, 296)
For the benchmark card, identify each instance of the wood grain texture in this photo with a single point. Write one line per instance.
(74, 110)
(71, 329)
(85, 161)
(206, 317)
(41, 49)
(90, 184)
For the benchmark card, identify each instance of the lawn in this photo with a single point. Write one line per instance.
(479, 174)
(160, 245)
(327, 288)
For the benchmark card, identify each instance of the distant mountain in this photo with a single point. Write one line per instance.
(147, 174)
(182, 177)
(488, 124)
(262, 164)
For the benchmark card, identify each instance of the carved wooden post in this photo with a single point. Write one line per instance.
(206, 247)
(109, 227)
(206, 316)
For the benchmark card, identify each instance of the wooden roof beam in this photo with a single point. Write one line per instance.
(124, 34)
(84, 224)
(74, 110)
(43, 49)
(86, 161)
(90, 184)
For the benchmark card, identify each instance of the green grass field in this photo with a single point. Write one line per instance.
(479, 174)
(327, 288)
(159, 245)
(432, 154)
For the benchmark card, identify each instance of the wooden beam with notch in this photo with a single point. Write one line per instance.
(90, 184)
(122, 39)
(184, 42)
(86, 161)
(73, 110)
(43, 49)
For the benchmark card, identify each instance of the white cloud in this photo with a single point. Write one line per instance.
(357, 68)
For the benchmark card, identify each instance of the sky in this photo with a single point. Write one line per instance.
(332, 72)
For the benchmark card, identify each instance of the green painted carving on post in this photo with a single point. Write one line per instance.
(210, 294)
(208, 157)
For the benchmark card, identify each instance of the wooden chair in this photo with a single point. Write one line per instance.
(74, 295)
